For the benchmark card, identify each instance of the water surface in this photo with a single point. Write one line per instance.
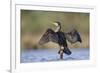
(45, 55)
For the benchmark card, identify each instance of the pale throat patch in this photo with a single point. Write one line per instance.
(57, 29)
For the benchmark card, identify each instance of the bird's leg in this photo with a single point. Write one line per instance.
(60, 49)
(61, 52)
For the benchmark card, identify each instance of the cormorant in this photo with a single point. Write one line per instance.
(60, 37)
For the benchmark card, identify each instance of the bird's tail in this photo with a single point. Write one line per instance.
(67, 51)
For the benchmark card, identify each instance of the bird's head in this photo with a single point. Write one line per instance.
(57, 23)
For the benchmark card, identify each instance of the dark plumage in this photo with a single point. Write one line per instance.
(60, 37)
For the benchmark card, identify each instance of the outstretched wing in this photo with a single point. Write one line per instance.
(73, 36)
(49, 35)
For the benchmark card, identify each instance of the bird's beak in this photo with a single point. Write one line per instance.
(55, 24)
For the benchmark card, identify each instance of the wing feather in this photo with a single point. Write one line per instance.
(70, 38)
(48, 36)
(73, 36)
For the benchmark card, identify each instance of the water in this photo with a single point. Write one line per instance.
(46, 55)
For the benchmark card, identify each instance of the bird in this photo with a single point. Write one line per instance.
(61, 38)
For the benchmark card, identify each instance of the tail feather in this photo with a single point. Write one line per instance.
(67, 51)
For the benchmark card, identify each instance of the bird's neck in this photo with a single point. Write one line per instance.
(58, 28)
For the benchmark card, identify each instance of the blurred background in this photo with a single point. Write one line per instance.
(34, 23)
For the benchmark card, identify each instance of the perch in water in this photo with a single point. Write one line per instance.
(60, 38)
